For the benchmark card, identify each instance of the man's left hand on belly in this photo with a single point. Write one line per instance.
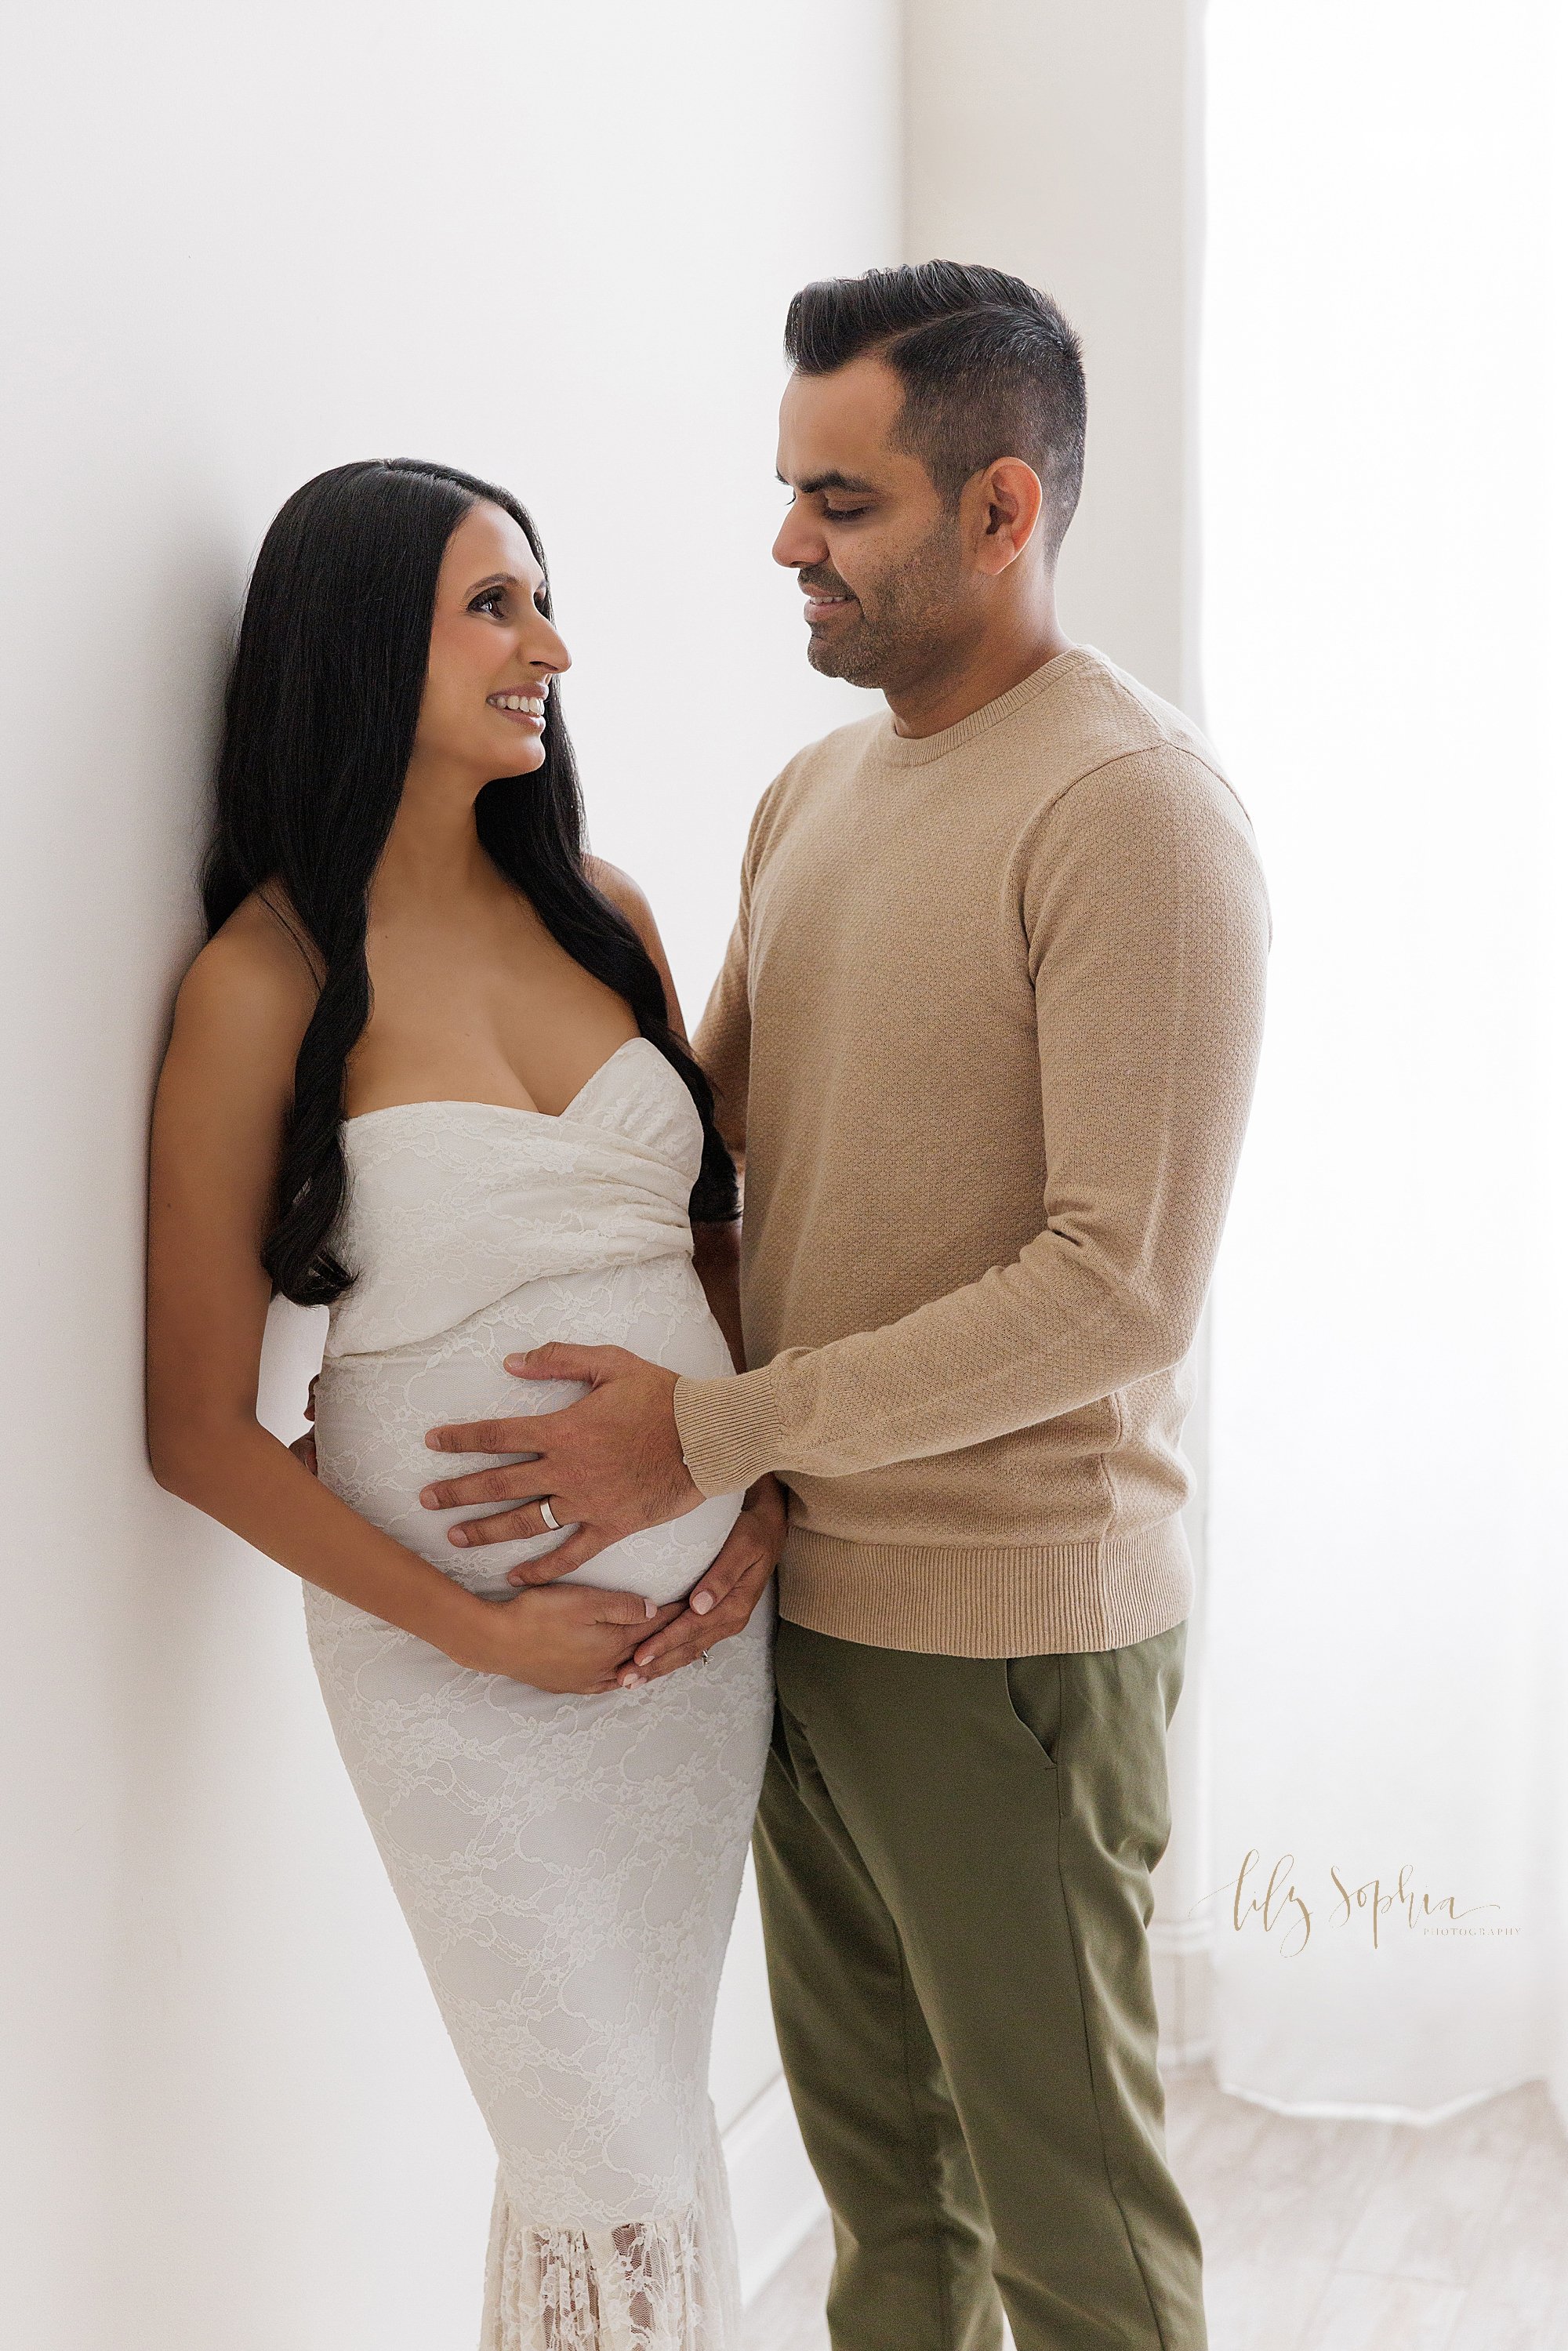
(607, 1466)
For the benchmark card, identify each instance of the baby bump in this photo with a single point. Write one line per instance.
(372, 1412)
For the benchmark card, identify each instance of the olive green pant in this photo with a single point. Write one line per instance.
(953, 1858)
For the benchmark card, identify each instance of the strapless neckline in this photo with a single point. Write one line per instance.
(507, 1110)
(453, 1205)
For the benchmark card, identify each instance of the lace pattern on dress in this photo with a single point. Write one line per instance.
(648, 2285)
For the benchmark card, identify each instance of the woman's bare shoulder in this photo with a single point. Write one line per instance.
(623, 893)
(254, 984)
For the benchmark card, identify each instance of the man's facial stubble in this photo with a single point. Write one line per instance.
(915, 616)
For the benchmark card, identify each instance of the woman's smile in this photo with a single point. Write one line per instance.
(526, 709)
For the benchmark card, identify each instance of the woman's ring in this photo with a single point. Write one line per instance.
(702, 1657)
(549, 1516)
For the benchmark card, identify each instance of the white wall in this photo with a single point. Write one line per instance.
(241, 246)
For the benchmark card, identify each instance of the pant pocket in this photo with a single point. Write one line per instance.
(1033, 1686)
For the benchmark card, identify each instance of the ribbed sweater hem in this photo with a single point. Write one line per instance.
(960, 1600)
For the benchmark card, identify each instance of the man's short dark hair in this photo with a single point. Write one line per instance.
(989, 366)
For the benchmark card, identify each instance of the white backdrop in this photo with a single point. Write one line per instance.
(1383, 621)
(241, 246)
(1318, 263)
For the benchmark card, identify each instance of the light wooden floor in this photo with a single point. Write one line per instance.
(1333, 2236)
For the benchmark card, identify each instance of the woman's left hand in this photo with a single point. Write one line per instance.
(720, 1603)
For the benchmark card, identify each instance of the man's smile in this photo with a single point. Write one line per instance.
(821, 605)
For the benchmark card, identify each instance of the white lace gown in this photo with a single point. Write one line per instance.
(569, 1865)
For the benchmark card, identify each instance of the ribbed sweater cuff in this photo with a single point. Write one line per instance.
(728, 1430)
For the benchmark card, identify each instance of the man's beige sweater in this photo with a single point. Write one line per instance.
(986, 1032)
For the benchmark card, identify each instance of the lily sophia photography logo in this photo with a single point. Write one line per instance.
(1290, 1911)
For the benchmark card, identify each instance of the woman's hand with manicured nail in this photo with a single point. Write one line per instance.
(721, 1602)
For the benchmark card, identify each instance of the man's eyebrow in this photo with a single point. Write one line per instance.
(833, 480)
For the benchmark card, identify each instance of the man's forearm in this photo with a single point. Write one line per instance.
(1028, 1341)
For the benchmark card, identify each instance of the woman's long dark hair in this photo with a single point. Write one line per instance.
(319, 728)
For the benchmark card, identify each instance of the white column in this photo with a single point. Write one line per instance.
(1062, 142)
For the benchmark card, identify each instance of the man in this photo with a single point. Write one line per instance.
(987, 1033)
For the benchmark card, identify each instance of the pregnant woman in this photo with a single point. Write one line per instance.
(429, 1070)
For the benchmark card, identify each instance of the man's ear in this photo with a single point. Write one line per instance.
(1006, 500)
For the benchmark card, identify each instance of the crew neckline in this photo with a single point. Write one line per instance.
(918, 750)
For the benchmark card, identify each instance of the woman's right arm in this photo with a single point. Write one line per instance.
(217, 1132)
